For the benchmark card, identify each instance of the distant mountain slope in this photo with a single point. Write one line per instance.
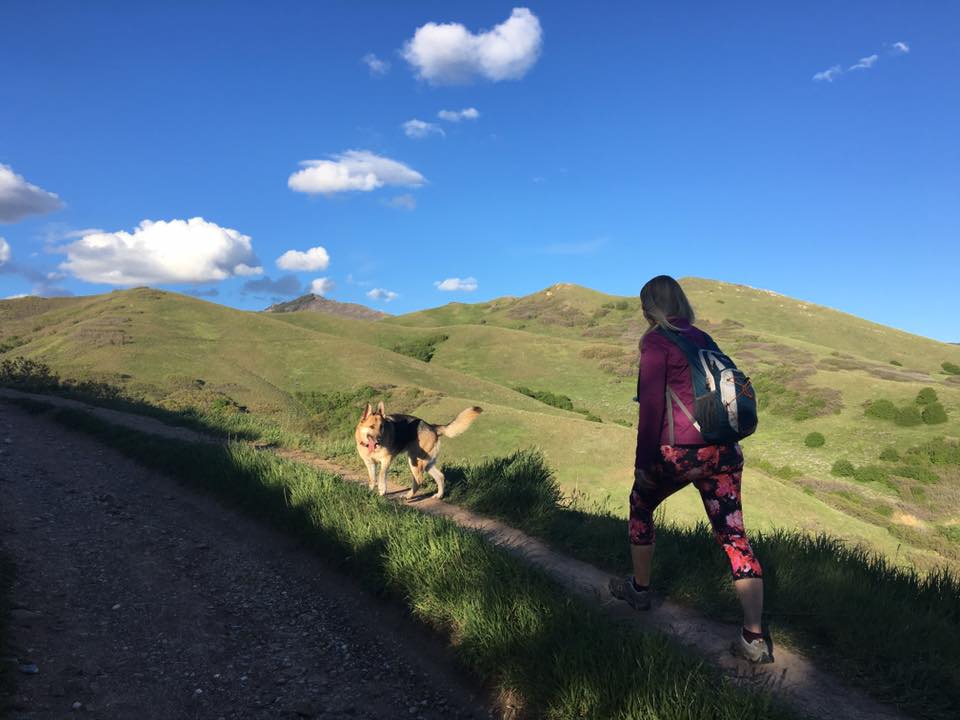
(316, 303)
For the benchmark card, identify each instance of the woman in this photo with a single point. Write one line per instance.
(665, 465)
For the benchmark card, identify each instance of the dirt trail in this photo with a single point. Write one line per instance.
(138, 598)
(792, 675)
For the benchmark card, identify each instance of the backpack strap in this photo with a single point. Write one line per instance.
(671, 398)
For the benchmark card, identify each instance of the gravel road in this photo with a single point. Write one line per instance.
(138, 598)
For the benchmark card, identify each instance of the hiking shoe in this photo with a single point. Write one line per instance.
(623, 589)
(758, 651)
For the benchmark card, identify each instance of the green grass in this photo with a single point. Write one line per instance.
(815, 366)
(824, 595)
(508, 623)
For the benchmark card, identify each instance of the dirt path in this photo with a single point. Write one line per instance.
(137, 598)
(792, 675)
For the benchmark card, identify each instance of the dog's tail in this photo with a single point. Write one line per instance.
(460, 423)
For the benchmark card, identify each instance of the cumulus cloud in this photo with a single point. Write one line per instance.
(828, 75)
(286, 286)
(469, 113)
(404, 202)
(448, 53)
(175, 251)
(418, 129)
(900, 48)
(382, 294)
(376, 66)
(4, 251)
(322, 286)
(468, 284)
(18, 198)
(354, 170)
(316, 258)
(864, 63)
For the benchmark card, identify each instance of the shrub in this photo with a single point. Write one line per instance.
(897, 363)
(918, 473)
(926, 396)
(421, 348)
(951, 368)
(934, 414)
(908, 416)
(871, 473)
(546, 397)
(881, 409)
(843, 468)
(890, 454)
(814, 440)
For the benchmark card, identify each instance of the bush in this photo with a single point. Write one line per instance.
(908, 416)
(951, 368)
(934, 414)
(421, 348)
(881, 409)
(546, 397)
(871, 473)
(926, 396)
(814, 440)
(843, 468)
(890, 454)
(897, 363)
(918, 473)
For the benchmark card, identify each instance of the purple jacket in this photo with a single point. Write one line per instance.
(662, 362)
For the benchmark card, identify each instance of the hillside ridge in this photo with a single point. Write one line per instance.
(317, 303)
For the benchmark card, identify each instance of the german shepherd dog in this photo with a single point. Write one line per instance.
(381, 437)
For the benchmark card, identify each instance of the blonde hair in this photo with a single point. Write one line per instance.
(663, 298)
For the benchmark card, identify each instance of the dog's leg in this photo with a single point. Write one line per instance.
(438, 477)
(417, 471)
(372, 472)
(384, 467)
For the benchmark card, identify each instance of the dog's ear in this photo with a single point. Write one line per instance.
(366, 412)
(380, 410)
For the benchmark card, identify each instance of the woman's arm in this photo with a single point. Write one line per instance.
(651, 391)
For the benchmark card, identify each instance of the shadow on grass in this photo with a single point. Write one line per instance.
(887, 629)
(507, 622)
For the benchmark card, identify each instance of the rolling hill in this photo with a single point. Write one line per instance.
(816, 370)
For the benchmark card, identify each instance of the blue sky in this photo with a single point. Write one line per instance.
(611, 142)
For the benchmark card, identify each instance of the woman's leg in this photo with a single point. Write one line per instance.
(720, 491)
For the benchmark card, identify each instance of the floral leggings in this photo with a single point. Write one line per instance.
(715, 471)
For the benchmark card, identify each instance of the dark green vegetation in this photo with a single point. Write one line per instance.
(781, 392)
(926, 409)
(951, 368)
(507, 622)
(558, 401)
(843, 468)
(421, 348)
(814, 440)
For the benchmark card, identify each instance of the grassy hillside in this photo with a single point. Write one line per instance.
(815, 368)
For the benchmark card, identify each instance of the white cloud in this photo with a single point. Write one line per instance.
(315, 258)
(321, 286)
(468, 284)
(448, 53)
(419, 129)
(864, 63)
(901, 48)
(376, 66)
(18, 198)
(354, 170)
(382, 294)
(16, 297)
(469, 113)
(175, 251)
(828, 75)
(404, 202)
(4, 251)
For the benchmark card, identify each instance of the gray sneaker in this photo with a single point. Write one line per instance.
(758, 652)
(622, 589)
